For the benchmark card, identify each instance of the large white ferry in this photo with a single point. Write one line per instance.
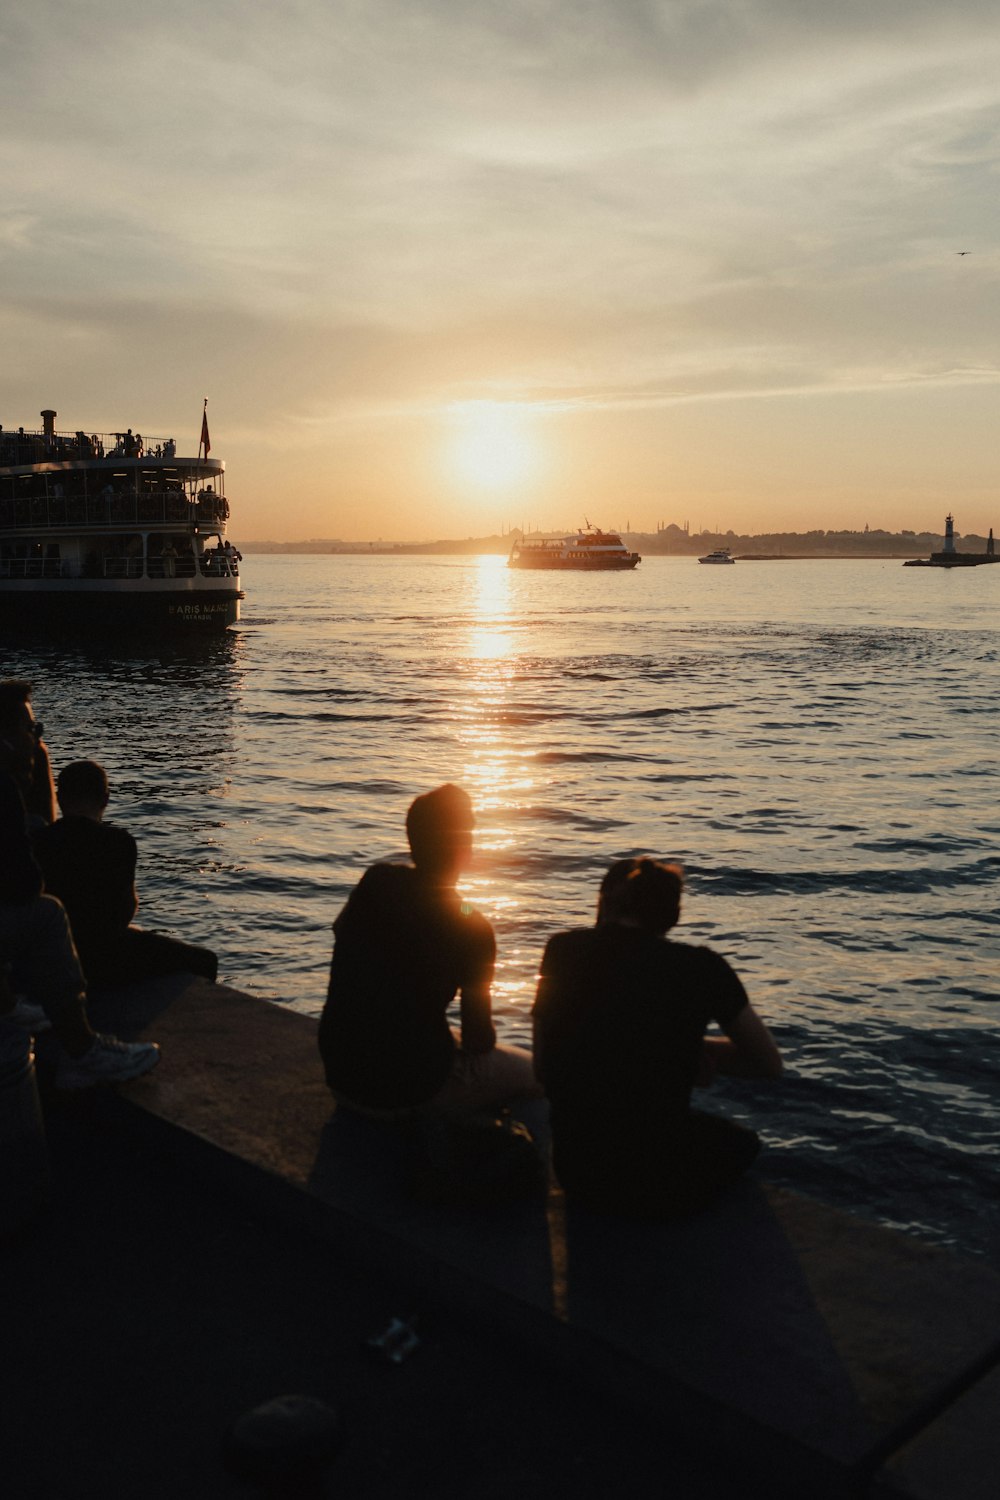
(585, 551)
(102, 530)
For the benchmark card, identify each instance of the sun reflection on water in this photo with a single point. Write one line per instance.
(497, 771)
(491, 638)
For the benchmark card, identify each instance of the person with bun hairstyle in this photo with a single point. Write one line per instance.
(619, 1034)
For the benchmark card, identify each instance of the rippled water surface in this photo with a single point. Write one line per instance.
(816, 741)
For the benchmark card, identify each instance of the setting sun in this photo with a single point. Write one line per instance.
(493, 445)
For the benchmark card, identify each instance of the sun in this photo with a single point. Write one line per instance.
(493, 446)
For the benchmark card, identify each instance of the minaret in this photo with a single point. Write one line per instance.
(990, 551)
(949, 533)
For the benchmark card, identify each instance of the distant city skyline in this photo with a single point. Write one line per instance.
(671, 539)
(444, 271)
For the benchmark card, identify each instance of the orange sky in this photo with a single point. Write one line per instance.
(444, 269)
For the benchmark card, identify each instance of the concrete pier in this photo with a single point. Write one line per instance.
(794, 1348)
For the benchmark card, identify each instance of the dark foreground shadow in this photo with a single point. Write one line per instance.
(365, 1168)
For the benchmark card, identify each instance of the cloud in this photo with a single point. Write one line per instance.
(359, 212)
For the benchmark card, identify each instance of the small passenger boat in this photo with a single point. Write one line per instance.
(115, 531)
(720, 555)
(588, 550)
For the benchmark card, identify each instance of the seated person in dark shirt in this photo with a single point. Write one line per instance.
(90, 866)
(620, 1020)
(41, 982)
(28, 762)
(405, 945)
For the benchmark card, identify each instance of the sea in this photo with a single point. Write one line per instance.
(814, 740)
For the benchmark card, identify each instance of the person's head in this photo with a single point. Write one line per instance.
(642, 893)
(82, 789)
(19, 733)
(439, 829)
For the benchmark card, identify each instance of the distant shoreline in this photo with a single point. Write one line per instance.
(255, 550)
(840, 546)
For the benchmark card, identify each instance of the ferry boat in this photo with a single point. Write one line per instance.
(113, 530)
(720, 555)
(587, 550)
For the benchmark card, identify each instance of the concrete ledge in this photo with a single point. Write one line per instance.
(811, 1343)
(957, 1457)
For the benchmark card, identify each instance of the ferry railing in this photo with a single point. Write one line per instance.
(217, 567)
(123, 567)
(31, 567)
(38, 447)
(159, 508)
(183, 566)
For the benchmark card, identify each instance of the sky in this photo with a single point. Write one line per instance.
(445, 269)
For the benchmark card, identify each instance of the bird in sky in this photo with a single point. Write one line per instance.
(963, 252)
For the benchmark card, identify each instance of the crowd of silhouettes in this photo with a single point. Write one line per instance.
(621, 1020)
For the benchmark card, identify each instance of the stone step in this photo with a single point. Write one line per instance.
(812, 1343)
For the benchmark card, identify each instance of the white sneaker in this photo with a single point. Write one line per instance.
(107, 1060)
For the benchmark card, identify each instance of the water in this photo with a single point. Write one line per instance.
(815, 741)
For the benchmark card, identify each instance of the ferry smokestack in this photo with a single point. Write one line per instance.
(49, 423)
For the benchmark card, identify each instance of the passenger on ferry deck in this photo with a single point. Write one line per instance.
(620, 1020)
(90, 865)
(405, 945)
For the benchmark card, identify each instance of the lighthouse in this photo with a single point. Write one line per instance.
(948, 557)
(949, 533)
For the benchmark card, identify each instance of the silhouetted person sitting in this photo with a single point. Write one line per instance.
(90, 865)
(24, 754)
(620, 1020)
(41, 982)
(405, 946)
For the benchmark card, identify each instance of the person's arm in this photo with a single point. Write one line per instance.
(20, 876)
(748, 1049)
(40, 794)
(548, 1012)
(478, 1033)
(126, 906)
(539, 1028)
(125, 903)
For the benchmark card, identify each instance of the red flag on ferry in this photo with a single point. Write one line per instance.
(204, 429)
